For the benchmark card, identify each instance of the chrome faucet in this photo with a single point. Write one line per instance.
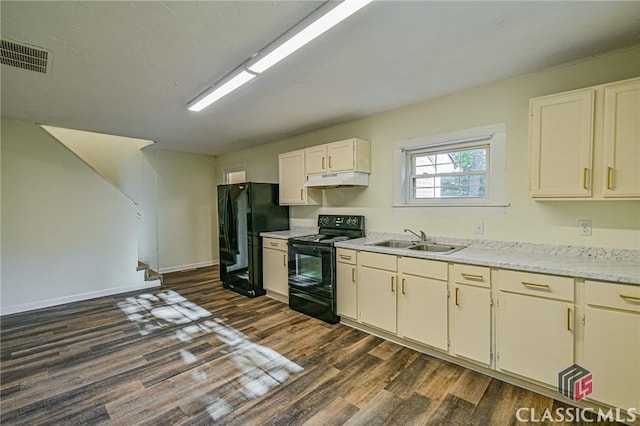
(422, 236)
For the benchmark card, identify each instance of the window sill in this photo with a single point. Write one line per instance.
(453, 205)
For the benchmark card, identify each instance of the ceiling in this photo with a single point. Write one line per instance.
(129, 68)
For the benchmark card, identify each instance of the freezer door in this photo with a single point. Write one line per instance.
(233, 208)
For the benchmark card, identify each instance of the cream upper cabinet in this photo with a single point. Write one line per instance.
(349, 155)
(612, 342)
(585, 144)
(377, 287)
(561, 141)
(342, 156)
(275, 274)
(535, 325)
(621, 176)
(346, 283)
(471, 312)
(316, 159)
(422, 301)
(292, 176)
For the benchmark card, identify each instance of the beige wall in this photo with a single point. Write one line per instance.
(67, 234)
(121, 161)
(186, 213)
(615, 223)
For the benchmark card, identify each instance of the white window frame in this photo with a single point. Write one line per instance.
(234, 168)
(491, 136)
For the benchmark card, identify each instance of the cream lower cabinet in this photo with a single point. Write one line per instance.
(612, 342)
(422, 301)
(346, 283)
(535, 325)
(377, 287)
(275, 278)
(471, 312)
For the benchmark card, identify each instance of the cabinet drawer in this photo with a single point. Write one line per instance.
(550, 286)
(472, 275)
(378, 260)
(423, 268)
(346, 256)
(274, 243)
(618, 296)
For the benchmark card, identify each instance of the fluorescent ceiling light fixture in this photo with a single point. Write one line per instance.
(222, 90)
(318, 27)
(324, 18)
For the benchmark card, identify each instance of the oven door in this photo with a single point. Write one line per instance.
(312, 269)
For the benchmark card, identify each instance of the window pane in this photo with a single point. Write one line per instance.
(454, 173)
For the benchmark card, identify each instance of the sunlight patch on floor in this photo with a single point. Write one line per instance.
(261, 367)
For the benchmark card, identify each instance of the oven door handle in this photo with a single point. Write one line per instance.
(307, 297)
(307, 249)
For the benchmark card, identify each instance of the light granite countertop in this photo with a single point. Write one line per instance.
(615, 265)
(290, 233)
(595, 263)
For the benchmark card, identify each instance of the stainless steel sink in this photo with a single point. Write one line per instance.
(418, 246)
(394, 244)
(436, 248)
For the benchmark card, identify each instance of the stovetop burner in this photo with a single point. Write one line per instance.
(334, 229)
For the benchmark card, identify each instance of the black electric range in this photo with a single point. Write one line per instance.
(312, 265)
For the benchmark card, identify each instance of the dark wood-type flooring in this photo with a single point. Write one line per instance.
(195, 353)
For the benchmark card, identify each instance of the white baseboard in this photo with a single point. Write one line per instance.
(14, 309)
(189, 266)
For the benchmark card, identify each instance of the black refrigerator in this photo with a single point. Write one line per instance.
(245, 210)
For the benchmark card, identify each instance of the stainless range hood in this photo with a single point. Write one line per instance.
(332, 180)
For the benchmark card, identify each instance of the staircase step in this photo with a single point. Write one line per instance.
(149, 274)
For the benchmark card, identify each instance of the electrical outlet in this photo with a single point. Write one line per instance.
(479, 228)
(584, 227)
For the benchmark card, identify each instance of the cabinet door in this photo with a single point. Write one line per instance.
(622, 139)
(316, 159)
(422, 311)
(472, 323)
(377, 298)
(341, 156)
(275, 276)
(347, 290)
(612, 355)
(535, 336)
(292, 177)
(561, 141)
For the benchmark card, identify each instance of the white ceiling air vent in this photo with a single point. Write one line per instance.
(23, 56)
